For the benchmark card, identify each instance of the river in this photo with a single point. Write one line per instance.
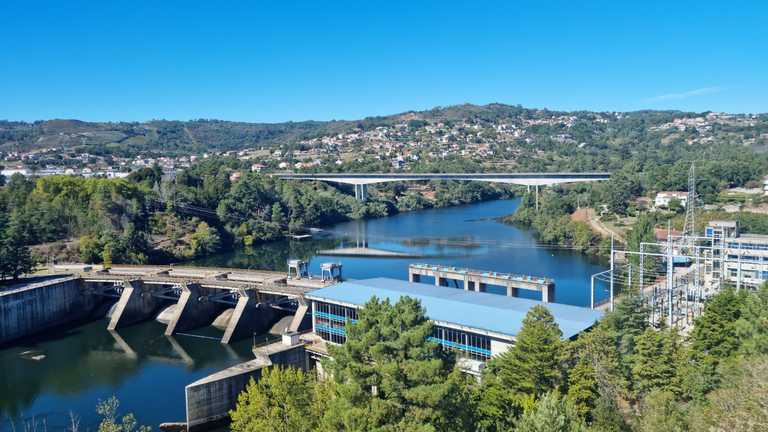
(148, 371)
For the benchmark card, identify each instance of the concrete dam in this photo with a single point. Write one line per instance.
(238, 302)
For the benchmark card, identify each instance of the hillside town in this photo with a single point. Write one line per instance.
(407, 141)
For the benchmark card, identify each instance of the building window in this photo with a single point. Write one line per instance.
(330, 320)
(465, 344)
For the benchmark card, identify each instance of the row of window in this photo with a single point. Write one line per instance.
(750, 274)
(330, 320)
(748, 246)
(751, 258)
(466, 344)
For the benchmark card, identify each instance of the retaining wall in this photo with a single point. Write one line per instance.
(35, 308)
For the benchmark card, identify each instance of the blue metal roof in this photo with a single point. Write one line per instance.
(484, 311)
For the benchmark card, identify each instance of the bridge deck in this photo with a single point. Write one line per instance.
(266, 282)
(531, 179)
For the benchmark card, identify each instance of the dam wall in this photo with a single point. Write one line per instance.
(34, 308)
(209, 400)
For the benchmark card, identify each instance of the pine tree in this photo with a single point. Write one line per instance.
(595, 381)
(530, 368)
(714, 333)
(626, 323)
(390, 377)
(551, 414)
(533, 364)
(655, 362)
(583, 389)
(17, 259)
(752, 327)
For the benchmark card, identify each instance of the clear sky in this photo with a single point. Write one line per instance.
(288, 60)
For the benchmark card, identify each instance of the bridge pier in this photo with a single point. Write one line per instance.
(248, 317)
(548, 294)
(134, 305)
(193, 310)
(300, 317)
(361, 192)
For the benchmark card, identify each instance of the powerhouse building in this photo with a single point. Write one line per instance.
(738, 258)
(476, 325)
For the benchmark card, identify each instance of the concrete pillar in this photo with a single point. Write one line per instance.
(512, 291)
(547, 293)
(466, 284)
(237, 324)
(437, 279)
(413, 277)
(314, 312)
(134, 305)
(193, 310)
(301, 314)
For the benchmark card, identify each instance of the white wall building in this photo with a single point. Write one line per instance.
(663, 198)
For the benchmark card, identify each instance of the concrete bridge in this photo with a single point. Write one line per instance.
(239, 302)
(360, 181)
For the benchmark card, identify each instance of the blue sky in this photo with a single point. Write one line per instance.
(284, 60)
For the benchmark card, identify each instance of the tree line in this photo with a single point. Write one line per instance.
(152, 218)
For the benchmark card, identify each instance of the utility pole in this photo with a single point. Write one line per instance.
(612, 275)
(670, 272)
(642, 262)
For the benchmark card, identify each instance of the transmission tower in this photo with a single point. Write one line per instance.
(689, 229)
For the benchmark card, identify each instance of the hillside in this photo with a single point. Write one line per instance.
(491, 124)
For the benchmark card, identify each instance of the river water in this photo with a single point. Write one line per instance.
(148, 371)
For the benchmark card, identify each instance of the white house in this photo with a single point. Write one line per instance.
(663, 198)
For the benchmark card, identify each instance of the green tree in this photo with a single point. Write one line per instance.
(661, 412)
(106, 256)
(390, 377)
(751, 328)
(278, 215)
(17, 258)
(741, 403)
(551, 414)
(205, 240)
(528, 369)
(583, 389)
(626, 323)
(642, 231)
(655, 361)
(283, 399)
(675, 205)
(714, 333)
(595, 381)
(110, 423)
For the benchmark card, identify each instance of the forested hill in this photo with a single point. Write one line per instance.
(492, 123)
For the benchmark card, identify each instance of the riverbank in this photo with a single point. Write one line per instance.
(554, 226)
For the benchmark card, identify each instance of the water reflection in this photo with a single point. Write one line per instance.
(89, 357)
